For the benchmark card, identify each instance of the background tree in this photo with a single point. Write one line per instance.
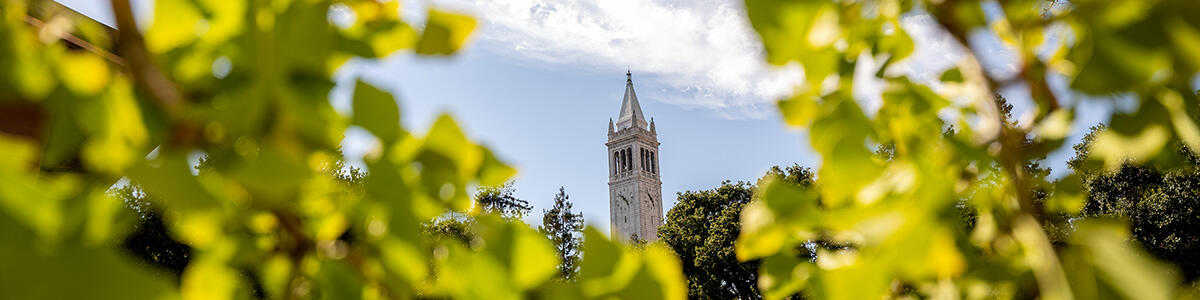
(454, 227)
(500, 200)
(150, 240)
(565, 229)
(1158, 199)
(701, 228)
(497, 200)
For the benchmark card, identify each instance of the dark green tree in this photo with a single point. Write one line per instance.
(1159, 199)
(565, 229)
(702, 227)
(150, 240)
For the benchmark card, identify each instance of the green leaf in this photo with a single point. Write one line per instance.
(170, 178)
(208, 278)
(275, 176)
(1069, 195)
(1186, 40)
(71, 271)
(399, 36)
(847, 165)
(446, 138)
(85, 74)
(783, 275)
(601, 254)
(1122, 266)
(899, 44)
(117, 135)
(784, 214)
(376, 111)
(859, 281)
(175, 24)
(444, 33)
(494, 172)
(533, 259)
(952, 75)
(226, 20)
(800, 110)
(339, 281)
(102, 224)
(783, 27)
(35, 203)
(1112, 62)
(609, 270)
(1136, 137)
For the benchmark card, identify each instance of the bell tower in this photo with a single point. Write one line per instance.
(634, 188)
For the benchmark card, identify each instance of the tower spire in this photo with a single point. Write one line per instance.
(631, 111)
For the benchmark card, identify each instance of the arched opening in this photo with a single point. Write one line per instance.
(642, 159)
(627, 161)
(629, 158)
(616, 161)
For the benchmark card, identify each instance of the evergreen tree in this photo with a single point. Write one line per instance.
(565, 229)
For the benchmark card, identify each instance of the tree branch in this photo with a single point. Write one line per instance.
(132, 47)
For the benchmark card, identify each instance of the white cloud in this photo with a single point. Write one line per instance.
(704, 50)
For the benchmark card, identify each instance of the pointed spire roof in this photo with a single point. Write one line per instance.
(631, 111)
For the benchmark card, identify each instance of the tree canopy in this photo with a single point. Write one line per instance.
(1159, 202)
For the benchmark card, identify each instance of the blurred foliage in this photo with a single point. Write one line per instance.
(895, 181)
(272, 213)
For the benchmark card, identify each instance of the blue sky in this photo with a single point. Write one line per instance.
(541, 78)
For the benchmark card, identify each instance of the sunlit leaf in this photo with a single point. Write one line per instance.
(783, 275)
(783, 214)
(952, 75)
(1121, 266)
(92, 273)
(176, 23)
(444, 33)
(376, 111)
(84, 73)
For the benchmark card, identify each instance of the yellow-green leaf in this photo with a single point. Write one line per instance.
(445, 33)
